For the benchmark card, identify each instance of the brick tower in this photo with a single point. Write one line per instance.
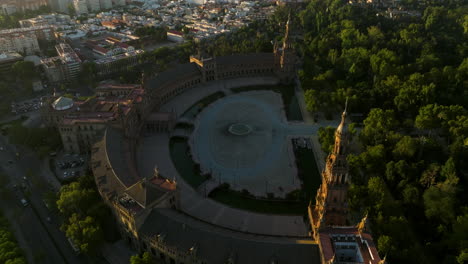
(285, 56)
(331, 208)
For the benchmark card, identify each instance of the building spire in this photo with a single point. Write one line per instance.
(339, 129)
(286, 43)
(362, 225)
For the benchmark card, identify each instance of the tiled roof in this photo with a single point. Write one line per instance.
(246, 58)
(177, 72)
(216, 245)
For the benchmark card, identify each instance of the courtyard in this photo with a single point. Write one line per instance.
(236, 208)
(244, 140)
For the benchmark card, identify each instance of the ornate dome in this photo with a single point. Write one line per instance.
(62, 103)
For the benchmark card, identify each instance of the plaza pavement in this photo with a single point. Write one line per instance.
(154, 150)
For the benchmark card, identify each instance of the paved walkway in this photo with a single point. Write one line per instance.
(318, 153)
(155, 150)
(261, 161)
(185, 100)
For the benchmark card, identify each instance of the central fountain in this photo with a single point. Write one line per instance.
(240, 129)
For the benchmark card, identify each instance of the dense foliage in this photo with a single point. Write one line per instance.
(409, 78)
(10, 253)
(151, 33)
(145, 258)
(326, 136)
(41, 140)
(88, 221)
(12, 21)
(380, 62)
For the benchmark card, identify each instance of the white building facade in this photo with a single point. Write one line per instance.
(105, 4)
(81, 7)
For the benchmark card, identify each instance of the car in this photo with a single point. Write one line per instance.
(24, 202)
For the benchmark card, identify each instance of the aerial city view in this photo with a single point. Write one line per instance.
(233, 132)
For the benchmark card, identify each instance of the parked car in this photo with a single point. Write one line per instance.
(24, 202)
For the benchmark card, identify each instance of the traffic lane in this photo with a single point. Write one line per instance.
(10, 209)
(37, 237)
(44, 244)
(53, 227)
(27, 160)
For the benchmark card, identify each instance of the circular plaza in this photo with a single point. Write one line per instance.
(245, 140)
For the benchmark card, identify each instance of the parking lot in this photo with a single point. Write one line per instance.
(69, 167)
(26, 105)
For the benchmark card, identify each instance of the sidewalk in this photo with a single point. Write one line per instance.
(319, 155)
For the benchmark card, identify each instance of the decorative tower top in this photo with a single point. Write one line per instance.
(363, 224)
(340, 130)
(286, 42)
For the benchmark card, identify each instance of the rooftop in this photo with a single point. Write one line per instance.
(9, 56)
(216, 245)
(63, 103)
(348, 245)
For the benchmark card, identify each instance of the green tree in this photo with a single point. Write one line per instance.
(440, 199)
(311, 100)
(373, 158)
(88, 72)
(414, 93)
(73, 198)
(429, 177)
(85, 233)
(145, 258)
(71, 9)
(326, 138)
(384, 63)
(24, 70)
(411, 194)
(377, 192)
(385, 245)
(9, 249)
(406, 148)
(377, 126)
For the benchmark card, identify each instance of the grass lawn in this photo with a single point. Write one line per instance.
(184, 164)
(308, 172)
(237, 200)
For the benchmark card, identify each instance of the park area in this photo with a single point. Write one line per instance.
(41, 140)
